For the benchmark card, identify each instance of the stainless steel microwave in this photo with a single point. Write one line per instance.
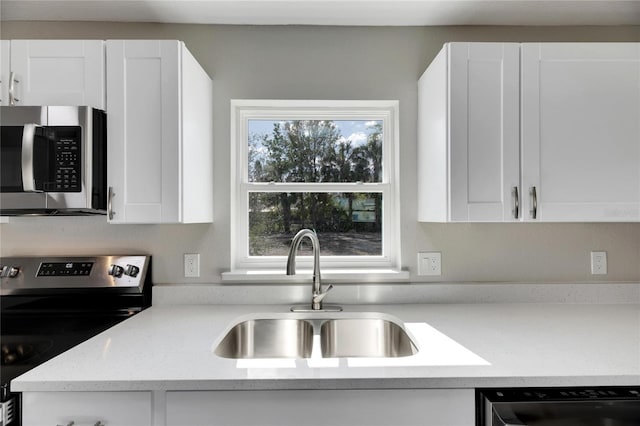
(52, 161)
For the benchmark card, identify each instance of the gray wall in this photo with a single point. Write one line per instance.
(333, 63)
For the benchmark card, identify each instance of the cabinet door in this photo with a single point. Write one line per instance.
(581, 131)
(86, 408)
(143, 79)
(5, 55)
(484, 131)
(58, 72)
(398, 407)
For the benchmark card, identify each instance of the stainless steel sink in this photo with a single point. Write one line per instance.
(351, 335)
(268, 338)
(364, 337)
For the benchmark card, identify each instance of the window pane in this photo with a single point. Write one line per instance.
(315, 151)
(348, 224)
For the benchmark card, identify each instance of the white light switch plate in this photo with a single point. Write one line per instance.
(192, 265)
(430, 263)
(598, 263)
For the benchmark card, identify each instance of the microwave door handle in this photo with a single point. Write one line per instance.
(504, 416)
(28, 142)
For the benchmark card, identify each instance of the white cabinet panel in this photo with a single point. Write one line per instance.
(398, 407)
(142, 84)
(197, 142)
(468, 133)
(581, 130)
(433, 141)
(86, 408)
(5, 70)
(58, 72)
(160, 134)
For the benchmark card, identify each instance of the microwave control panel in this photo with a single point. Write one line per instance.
(67, 158)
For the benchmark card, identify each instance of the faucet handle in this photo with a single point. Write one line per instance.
(327, 289)
(316, 303)
(317, 298)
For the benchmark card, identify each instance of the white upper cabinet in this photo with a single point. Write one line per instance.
(581, 131)
(53, 72)
(468, 131)
(160, 134)
(5, 71)
(530, 132)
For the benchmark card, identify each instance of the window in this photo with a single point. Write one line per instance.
(324, 165)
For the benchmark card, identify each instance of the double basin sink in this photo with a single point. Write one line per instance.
(290, 336)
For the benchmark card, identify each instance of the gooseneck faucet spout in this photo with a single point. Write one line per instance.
(317, 293)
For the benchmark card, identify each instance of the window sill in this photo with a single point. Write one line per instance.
(328, 275)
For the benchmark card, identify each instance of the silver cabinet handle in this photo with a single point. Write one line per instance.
(28, 178)
(534, 202)
(72, 423)
(516, 203)
(12, 96)
(110, 196)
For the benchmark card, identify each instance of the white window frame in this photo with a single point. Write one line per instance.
(243, 110)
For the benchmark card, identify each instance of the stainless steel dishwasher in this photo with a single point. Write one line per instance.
(594, 406)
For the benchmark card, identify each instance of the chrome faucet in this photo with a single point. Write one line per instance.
(317, 293)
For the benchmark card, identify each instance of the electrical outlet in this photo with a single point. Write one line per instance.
(598, 263)
(192, 265)
(430, 263)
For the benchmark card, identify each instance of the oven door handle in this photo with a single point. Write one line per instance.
(504, 416)
(28, 142)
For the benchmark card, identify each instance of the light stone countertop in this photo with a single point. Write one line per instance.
(461, 346)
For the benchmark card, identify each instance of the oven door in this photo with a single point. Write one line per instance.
(35, 329)
(564, 413)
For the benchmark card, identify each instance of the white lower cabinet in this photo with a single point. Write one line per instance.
(383, 407)
(398, 407)
(86, 408)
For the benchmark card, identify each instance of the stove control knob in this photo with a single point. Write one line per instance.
(131, 270)
(9, 271)
(116, 271)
